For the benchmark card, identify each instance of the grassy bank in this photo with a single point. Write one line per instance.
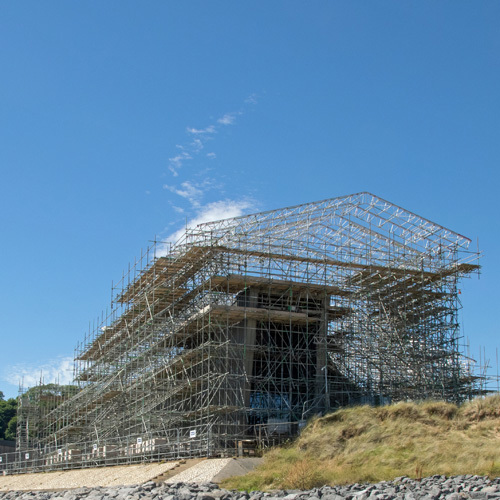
(364, 444)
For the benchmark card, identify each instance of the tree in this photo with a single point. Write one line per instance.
(49, 396)
(51, 390)
(46, 397)
(8, 410)
(10, 432)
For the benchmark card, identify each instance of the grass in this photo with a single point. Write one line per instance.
(370, 444)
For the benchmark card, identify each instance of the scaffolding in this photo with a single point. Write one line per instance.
(248, 326)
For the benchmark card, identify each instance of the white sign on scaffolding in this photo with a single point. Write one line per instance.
(192, 434)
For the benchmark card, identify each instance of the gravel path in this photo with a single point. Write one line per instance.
(103, 476)
(202, 472)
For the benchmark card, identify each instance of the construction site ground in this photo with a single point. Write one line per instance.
(187, 471)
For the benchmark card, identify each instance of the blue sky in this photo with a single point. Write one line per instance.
(121, 120)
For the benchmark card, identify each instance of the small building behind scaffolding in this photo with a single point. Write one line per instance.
(248, 326)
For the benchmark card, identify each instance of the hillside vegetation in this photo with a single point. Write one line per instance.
(371, 444)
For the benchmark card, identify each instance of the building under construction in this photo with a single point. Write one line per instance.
(248, 326)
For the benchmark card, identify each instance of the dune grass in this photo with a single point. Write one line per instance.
(370, 444)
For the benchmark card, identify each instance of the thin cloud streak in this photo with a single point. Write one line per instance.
(188, 190)
(197, 145)
(176, 162)
(202, 135)
(208, 130)
(194, 192)
(228, 118)
(251, 99)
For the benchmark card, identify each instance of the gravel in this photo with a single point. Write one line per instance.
(102, 476)
(202, 472)
(430, 488)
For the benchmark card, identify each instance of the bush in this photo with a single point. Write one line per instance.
(304, 475)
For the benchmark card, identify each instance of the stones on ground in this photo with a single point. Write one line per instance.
(402, 488)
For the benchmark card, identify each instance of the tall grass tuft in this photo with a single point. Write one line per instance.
(364, 443)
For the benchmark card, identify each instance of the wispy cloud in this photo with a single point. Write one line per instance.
(58, 370)
(176, 162)
(193, 190)
(228, 119)
(189, 191)
(251, 99)
(197, 145)
(217, 210)
(198, 137)
(201, 131)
